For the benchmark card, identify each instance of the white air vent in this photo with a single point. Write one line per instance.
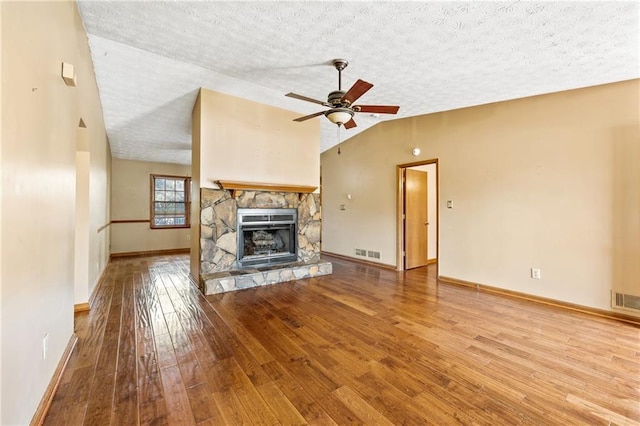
(626, 301)
(374, 254)
(361, 252)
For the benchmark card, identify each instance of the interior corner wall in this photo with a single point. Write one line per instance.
(40, 117)
(131, 201)
(196, 130)
(550, 182)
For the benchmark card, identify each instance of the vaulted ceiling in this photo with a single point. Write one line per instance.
(151, 58)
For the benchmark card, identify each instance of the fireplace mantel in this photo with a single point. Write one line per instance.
(234, 186)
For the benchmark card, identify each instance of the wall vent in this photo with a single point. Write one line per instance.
(361, 252)
(373, 254)
(620, 300)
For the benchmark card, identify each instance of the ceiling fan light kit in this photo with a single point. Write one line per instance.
(341, 103)
(339, 115)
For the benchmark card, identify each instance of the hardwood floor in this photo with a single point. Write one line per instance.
(364, 345)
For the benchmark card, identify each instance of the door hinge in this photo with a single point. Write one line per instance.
(404, 254)
(404, 217)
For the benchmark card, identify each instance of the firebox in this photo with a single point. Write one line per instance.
(266, 236)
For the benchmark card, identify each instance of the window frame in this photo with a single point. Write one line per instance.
(186, 202)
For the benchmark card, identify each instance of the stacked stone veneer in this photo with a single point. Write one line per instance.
(218, 238)
(221, 282)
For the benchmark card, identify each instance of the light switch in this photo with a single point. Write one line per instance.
(449, 204)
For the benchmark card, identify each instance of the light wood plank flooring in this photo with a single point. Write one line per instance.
(364, 346)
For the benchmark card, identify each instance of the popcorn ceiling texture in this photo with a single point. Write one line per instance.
(150, 58)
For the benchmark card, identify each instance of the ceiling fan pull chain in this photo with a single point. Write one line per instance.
(338, 139)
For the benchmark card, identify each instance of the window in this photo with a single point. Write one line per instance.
(170, 201)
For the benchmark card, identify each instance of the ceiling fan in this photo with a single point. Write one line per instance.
(341, 102)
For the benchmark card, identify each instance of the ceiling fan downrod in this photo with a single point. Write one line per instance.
(340, 64)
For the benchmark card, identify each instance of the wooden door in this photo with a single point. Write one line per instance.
(415, 223)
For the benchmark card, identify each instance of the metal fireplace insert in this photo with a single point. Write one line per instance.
(267, 236)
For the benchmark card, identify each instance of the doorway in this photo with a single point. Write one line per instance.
(82, 237)
(417, 214)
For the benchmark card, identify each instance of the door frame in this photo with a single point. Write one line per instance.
(400, 237)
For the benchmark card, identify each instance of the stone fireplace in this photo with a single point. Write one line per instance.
(253, 238)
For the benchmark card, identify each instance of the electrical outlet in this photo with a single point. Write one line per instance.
(535, 273)
(188, 237)
(45, 346)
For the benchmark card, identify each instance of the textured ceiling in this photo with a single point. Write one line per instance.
(151, 58)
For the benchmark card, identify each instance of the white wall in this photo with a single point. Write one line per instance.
(40, 117)
(550, 182)
(130, 200)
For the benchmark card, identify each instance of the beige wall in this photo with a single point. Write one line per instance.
(130, 200)
(246, 141)
(93, 170)
(550, 182)
(240, 140)
(40, 117)
(82, 228)
(1, 217)
(99, 198)
(194, 260)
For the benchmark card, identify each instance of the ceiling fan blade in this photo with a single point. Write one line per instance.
(377, 109)
(349, 124)
(307, 117)
(304, 98)
(358, 89)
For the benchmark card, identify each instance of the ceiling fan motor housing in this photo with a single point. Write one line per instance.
(335, 98)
